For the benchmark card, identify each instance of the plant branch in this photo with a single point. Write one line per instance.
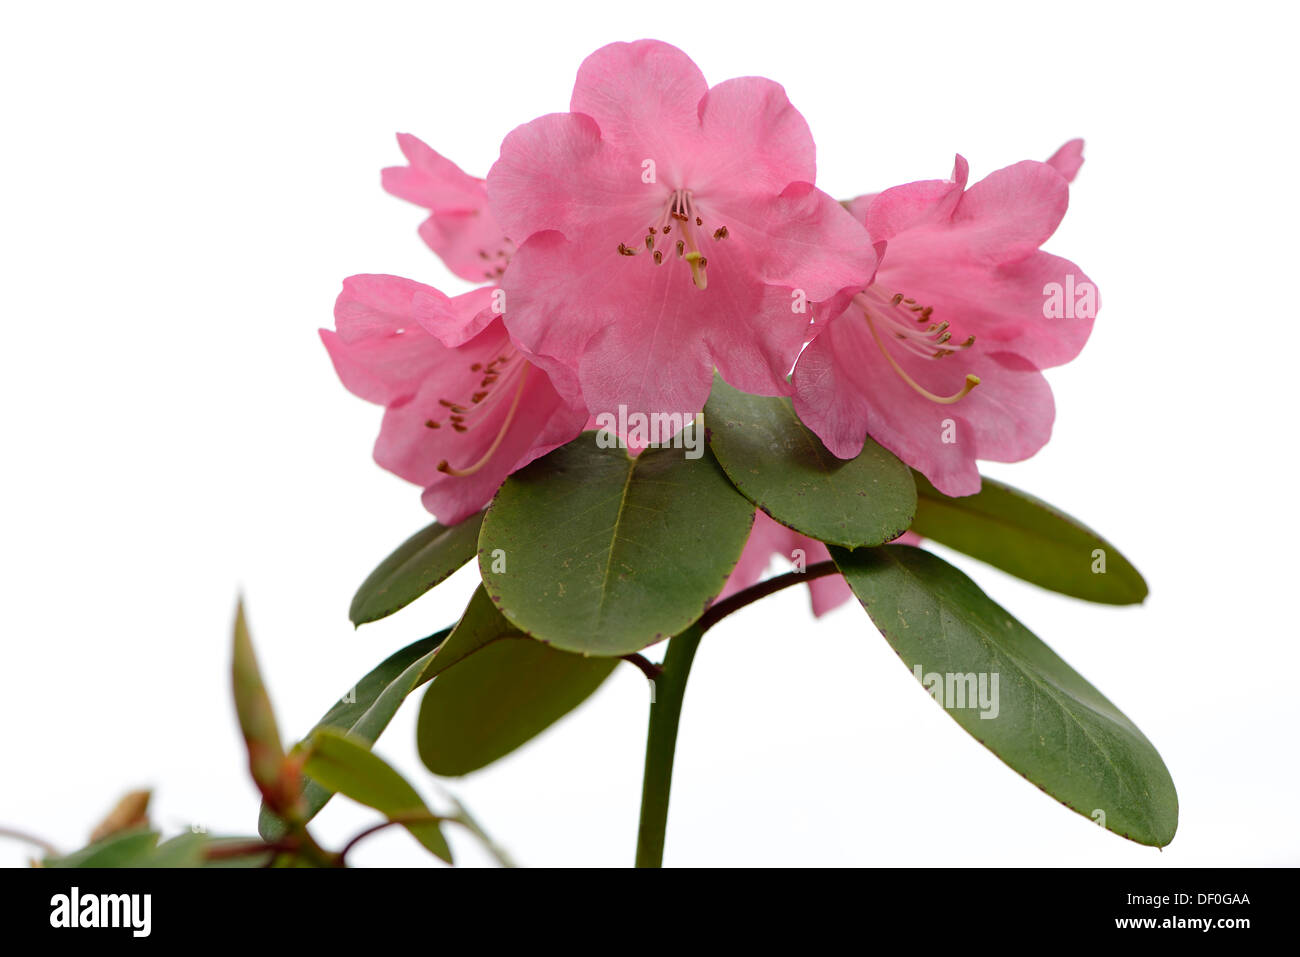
(666, 708)
(49, 849)
(397, 819)
(753, 593)
(648, 667)
(661, 746)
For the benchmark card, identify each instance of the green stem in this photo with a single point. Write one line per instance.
(666, 709)
(661, 746)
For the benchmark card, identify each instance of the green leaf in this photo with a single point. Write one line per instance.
(424, 560)
(507, 693)
(363, 712)
(183, 850)
(1030, 539)
(347, 766)
(595, 552)
(1050, 724)
(467, 821)
(783, 468)
(256, 717)
(133, 848)
(480, 625)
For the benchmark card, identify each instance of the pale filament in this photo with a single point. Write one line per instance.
(910, 328)
(463, 417)
(680, 226)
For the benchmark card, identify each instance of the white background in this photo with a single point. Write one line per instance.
(184, 187)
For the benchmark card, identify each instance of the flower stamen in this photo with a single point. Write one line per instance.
(932, 342)
(445, 467)
(680, 209)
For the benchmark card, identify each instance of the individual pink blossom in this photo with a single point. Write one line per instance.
(666, 228)
(462, 408)
(938, 358)
(460, 228)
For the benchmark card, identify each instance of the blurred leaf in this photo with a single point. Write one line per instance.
(266, 758)
(1049, 724)
(784, 469)
(1030, 539)
(468, 821)
(347, 766)
(124, 849)
(506, 694)
(183, 850)
(364, 712)
(424, 560)
(592, 551)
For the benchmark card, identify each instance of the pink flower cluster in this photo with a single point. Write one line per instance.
(662, 229)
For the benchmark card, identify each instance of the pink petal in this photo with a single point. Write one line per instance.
(453, 322)
(751, 137)
(380, 351)
(901, 208)
(375, 304)
(1011, 212)
(642, 95)
(1067, 160)
(558, 173)
(800, 238)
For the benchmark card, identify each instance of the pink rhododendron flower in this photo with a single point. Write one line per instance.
(938, 358)
(460, 228)
(666, 228)
(462, 408)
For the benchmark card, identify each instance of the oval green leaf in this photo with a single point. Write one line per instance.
(503, 696)
(349, 767)
(595, 552)
(783, 468)
(423, 561)
(1030, 539)
(1050, 724)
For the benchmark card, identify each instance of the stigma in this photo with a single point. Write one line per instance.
(681, 230)
(909, 326)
